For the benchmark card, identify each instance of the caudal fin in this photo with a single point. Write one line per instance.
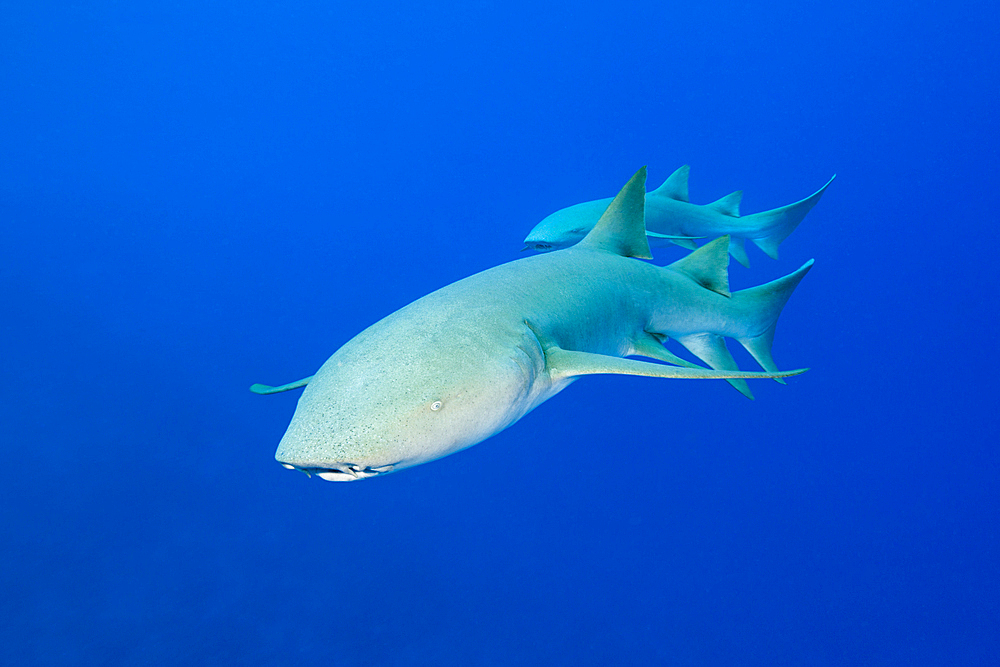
(751, 315)
(760, 307)
(769, 228)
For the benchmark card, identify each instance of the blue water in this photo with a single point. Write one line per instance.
(196, 196)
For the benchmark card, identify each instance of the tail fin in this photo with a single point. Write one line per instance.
(769, 228)
(762, 305)
(751, 322)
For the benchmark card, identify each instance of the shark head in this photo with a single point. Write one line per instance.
(565, 227)
(391, 399)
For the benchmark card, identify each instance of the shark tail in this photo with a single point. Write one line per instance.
(760, 307)
(769, 228)
(752, 313)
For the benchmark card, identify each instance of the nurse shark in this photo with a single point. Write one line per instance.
(465, 362)
(671, 218)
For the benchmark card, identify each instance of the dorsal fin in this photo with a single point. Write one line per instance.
(708, 266)
(622, 228)
(675, 187)
(729, 205)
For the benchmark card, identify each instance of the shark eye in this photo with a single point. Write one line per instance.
(436, 405)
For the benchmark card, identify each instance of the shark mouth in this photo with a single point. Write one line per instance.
(347, 472)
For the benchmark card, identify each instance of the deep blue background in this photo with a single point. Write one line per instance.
(201, 196)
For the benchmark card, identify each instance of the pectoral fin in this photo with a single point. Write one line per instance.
(267, 389)
(567, 363)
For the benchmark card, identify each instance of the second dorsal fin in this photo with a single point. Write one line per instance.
(708, 265)
(728, 205)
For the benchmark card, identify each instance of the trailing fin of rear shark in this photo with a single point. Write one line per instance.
(671, 218)
(769, 228)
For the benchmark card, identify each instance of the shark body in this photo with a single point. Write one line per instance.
(671, 218)
(468, 360)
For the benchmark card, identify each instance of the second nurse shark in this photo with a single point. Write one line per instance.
(672, 218)
(470, 359)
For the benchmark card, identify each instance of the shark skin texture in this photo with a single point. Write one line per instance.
(467, 361)
(671, 218)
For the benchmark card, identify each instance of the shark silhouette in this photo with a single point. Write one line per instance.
(465, 362)
(671, 218)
